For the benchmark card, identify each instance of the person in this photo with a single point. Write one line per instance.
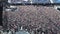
(1, 11)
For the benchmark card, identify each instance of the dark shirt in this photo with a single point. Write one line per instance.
(1, 9)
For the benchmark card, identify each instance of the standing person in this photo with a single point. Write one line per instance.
(1, 11)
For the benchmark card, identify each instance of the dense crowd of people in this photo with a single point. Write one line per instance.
(33, 18)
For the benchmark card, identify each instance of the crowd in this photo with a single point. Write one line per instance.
(33, 18)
